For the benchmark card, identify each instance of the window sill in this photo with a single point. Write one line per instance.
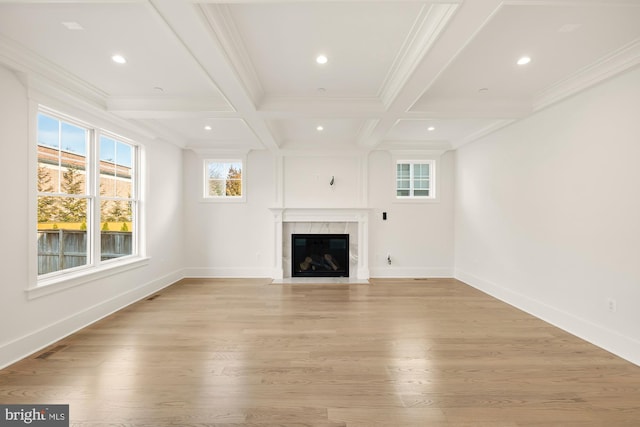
(416, 200)
(59, 283)
(223, 199)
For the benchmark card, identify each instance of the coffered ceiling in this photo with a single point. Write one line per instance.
(242, 74)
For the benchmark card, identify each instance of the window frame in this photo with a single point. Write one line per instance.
(229, 158)
(44, 284)
(133, 198)
(432, 179)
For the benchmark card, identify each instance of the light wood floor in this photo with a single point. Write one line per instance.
(394, 353)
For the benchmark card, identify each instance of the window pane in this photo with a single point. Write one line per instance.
(73, 161)
(421, 184)
(48, 131)
(233, 188)
(216, 187)
(402, 193)
(224, 179)
(107, 167)
(401, 184)
(124, 155)
(403, 170)
(234, 180)
(62, 212)
(48, 179)
(62, 158)
(421, 170)
(107, 149)
(72, 180)
(421, 193)
(124, 171)
(73, 139)
(62, 233)
(116, 160)
(116, 231)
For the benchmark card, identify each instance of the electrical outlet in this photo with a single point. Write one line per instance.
(612, 306)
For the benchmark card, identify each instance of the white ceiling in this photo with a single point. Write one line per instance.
(247, 68)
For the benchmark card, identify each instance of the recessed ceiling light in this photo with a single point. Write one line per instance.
(431, 128)
(207, 127)
(320, 128)
(72, 25)
(119, 59)
(321, 59)
(524, 60)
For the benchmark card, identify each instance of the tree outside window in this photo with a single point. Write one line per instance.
(223, 179)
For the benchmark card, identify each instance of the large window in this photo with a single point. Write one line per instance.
(87, 196)
(223, 179)
(415, 179)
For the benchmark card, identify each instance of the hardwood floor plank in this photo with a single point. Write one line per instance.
(222, 352)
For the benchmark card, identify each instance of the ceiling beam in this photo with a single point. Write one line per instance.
(189, 24)
(459, 31)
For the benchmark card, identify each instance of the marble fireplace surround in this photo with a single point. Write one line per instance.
(352, 221)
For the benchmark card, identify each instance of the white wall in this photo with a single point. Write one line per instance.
(417, 235)
(30, 324)
(307, 181)
(548, 214)
(230, 239)
(238, 239)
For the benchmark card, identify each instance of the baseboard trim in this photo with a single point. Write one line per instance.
(411, 272)
(364, 274)
(27, 345)
(607, 339)
(227, 273)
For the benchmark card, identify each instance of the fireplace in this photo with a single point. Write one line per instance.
(351, 221)
(320, 255)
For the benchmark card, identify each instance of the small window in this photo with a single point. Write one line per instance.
(224, 179)
(415, 179)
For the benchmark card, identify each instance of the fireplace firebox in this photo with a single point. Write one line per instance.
(320, 255)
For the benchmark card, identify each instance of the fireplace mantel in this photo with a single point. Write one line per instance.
(356, 215)
(320, 214)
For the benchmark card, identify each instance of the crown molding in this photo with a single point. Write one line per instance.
(608, 66)
(220, 152)
(456, 107)
(223, 28)
(60, 99)
(167, 107)
(46, 72)
(398, 145)
(493, 127)
(324, 152)
(419, 153)
(366, 131)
